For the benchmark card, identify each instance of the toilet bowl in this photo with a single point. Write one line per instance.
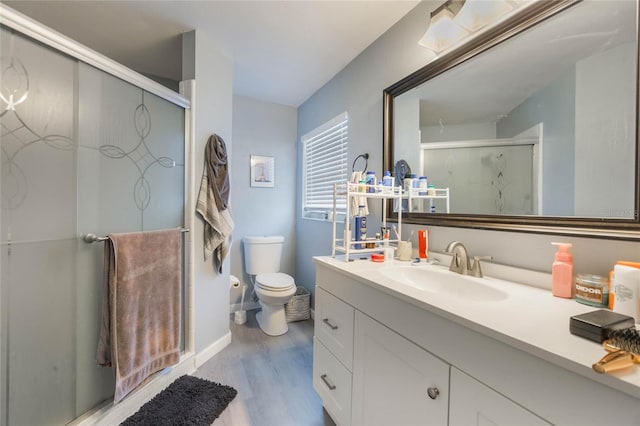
(274, 290)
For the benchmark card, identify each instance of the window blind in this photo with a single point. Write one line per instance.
(324, 164)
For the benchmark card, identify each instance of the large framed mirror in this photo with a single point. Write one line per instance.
(531, 126)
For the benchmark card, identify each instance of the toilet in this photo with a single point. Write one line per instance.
(273, 288)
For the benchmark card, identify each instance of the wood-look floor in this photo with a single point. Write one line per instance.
(273, 377)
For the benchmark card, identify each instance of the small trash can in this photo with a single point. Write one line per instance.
(297, 309)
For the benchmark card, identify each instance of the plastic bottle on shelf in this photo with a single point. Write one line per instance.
(361, 227)
(385, 236)
(371, 181)
(422, 185)
(416, 187)
(387, 182)
(431, 190)
(408, 183)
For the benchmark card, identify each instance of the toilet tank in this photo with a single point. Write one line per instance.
(262, 254)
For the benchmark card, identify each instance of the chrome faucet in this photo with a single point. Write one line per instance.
(460, 262)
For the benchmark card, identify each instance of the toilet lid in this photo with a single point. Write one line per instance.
(274, 282)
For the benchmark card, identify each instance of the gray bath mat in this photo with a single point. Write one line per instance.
(189, 401)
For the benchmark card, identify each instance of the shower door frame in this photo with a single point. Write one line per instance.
(109, 413)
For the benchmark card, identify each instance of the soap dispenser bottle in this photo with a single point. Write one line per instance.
(562, 271)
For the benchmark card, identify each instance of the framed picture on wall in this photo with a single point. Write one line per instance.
(263, 171)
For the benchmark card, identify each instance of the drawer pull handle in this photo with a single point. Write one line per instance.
(433, 392)
(326, 381)
(326, 321)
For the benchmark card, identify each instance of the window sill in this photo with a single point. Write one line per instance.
(323, 216)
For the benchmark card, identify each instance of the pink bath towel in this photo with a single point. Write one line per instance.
(141, 306)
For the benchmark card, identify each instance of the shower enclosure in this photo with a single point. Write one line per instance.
(82, 152)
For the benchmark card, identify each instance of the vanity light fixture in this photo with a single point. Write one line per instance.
(456, 20)
(443, 31)
(476, 14)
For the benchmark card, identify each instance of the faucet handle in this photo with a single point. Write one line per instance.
(476, 270)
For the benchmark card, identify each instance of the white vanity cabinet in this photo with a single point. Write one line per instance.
(367, 374)
(395, 382)
(474, 404)
(395, 362)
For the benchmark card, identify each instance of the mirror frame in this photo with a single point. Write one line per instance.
(623, 229)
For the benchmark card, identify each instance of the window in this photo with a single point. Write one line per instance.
(324, 163)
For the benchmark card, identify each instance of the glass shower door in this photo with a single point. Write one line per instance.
(81, 152)
(130, 178)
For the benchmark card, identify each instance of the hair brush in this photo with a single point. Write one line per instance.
(624, 350)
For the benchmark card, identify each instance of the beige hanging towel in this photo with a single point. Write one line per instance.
(140, 332)
(213, 201)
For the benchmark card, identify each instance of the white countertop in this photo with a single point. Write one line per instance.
(528, 318)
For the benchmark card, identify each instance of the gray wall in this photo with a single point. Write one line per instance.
(458, 132)
(268, 129)
(358, 90)
(605, 136)
(555, 107)
(213, 108)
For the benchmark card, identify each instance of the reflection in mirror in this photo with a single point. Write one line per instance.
(543, 124)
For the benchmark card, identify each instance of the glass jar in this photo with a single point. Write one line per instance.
(592, 290)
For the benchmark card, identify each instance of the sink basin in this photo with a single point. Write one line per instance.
(441, 281)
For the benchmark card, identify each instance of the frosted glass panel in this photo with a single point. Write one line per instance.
(166, 184)
(131, 157)
(41, 328)
(81, 152)
(38, 232)
(38, 149)
(93, 383)
(489, 180)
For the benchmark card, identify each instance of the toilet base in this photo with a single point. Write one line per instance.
(272, 319)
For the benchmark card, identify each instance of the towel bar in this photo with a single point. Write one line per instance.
(92, 238)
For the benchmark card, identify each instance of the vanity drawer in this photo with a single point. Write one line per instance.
(334, 326)
(332, 381)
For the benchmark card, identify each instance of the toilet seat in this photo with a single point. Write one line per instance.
(275, 281)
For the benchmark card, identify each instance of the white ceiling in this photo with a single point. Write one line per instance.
(282, 51)
(488, 87)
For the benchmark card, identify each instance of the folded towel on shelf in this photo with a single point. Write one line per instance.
(213, 201)
(356, 202)
(140, 333)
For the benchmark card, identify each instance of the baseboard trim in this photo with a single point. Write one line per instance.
(207, 353)
(110, 414)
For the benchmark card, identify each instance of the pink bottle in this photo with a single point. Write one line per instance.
(562, 272)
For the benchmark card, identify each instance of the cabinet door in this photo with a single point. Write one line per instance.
(473, 403)
(395, 382)
(334, 326)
